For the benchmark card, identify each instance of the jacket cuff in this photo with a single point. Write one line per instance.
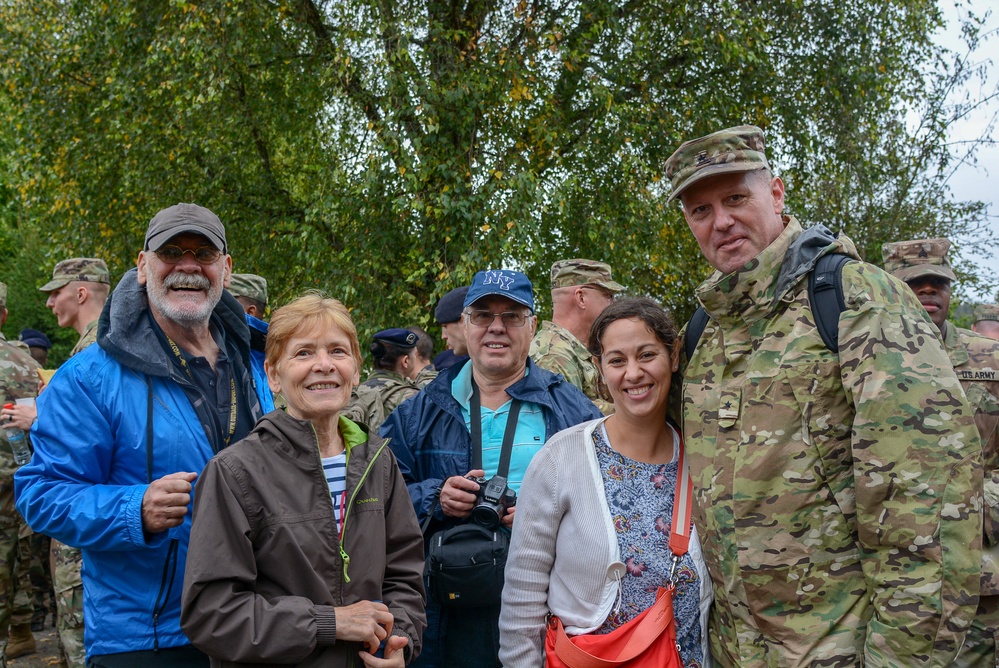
(325, 625)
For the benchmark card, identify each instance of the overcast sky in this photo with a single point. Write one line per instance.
(979, 182)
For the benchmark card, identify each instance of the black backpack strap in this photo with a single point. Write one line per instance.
(695, 327)
(828, 275)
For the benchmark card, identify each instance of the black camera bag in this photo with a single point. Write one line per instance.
(465, 565)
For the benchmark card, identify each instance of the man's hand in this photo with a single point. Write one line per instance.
(165, 502)
(508, 517)
(458, 494)
(19, 415)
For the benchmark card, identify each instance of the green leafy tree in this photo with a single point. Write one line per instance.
(384, 150)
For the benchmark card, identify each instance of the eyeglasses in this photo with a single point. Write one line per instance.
(485, 318)
(202, 254)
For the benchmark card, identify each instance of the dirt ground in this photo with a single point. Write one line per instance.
(47, 654)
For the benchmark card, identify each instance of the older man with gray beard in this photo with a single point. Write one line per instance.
(126, 426)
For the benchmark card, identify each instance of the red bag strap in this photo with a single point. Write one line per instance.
(679, 537)
(652, 624)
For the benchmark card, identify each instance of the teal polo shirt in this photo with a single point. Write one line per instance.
(527, 440)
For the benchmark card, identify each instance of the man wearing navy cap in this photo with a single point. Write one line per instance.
(431, 438)
(448, 316)
(393, 356)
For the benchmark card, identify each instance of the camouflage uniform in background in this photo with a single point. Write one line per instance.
(66, 565)
(18, 379)
(424, 376)
(976, 363)
(67, 562)
(975, 359)
(373, 400)
(837, 496)
(556, 349)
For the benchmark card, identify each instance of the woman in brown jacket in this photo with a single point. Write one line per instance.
(305, 549)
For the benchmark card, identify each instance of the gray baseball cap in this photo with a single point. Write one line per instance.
(181, 218)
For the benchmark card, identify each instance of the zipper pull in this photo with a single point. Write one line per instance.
(346, 563)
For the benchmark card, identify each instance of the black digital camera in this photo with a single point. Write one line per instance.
(492, 501)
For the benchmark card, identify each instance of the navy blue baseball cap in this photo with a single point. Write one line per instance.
(503, 282)
(449, 307)
(397, 336)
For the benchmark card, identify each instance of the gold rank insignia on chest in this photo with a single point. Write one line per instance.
(976, 374)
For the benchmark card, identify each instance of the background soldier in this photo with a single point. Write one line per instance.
(923, 265)
(18, 380)
(76, 294)
(392, 353)
(423, 356)
(581, 290)
(38, 344)
(986, 321)
(250, 291)
(448, 316)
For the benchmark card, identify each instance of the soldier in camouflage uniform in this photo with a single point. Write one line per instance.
(76, 295)
(18, 379)
(837, 494)
(986, 321)
(389, 384)
(250, 291)
(581, 290)
(923, 265)
(423, 356)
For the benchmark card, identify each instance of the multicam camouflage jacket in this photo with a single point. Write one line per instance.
(556, 349)
(373, 400)
(18, 380)
(88, 337)
(424, 376)
(837, 496)
(976, 363)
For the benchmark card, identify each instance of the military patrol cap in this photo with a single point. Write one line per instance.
(986, 312)
(397, 336)
(909, 260)
(250, 286)
(3, 295)
(568, 273)
(449, 307)
(183, 217)
(503, 282)
(729, 151)
(87, 269)
(34, 339)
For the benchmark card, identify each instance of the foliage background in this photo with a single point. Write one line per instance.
(384, 150)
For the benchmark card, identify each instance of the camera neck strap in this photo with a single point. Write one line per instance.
(475, 409)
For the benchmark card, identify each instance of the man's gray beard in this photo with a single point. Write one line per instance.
(185, 316)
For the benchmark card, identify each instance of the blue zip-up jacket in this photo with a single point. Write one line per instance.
(431, 443)
(85, 483)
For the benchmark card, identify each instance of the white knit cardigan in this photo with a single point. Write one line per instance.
(562, 548)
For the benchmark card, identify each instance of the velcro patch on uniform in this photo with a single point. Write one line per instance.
(969, 374)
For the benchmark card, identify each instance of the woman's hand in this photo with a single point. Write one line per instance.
(394, 655)
(365, 621)
(458, 494)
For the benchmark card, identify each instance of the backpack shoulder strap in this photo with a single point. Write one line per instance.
(827, 306)
(695, 327)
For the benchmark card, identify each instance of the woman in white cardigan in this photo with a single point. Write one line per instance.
(591, 540)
